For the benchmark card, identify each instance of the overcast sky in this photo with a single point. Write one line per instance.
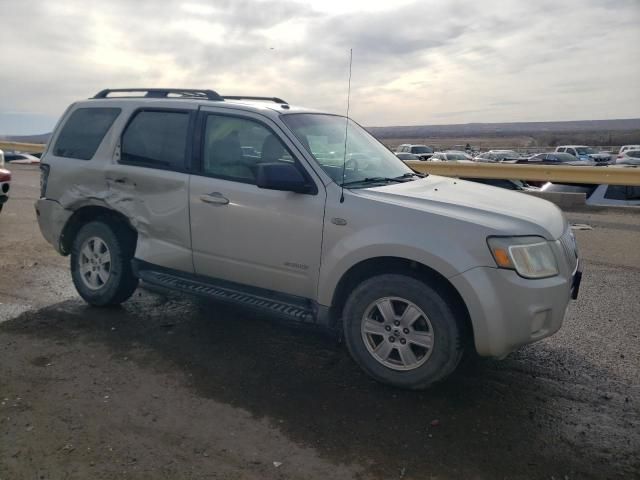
(414, 62)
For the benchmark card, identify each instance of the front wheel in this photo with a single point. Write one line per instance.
(402, 331)
(101, 263)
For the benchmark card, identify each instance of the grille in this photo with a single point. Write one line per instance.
(570, 249)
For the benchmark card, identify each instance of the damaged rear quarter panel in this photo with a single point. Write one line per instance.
(154, 201)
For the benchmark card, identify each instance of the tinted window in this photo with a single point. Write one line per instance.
(156, 139)
(421, 149)
(616, 192)
(83, 132)
(622, 192)
(233, 148)
(633, 153)
(562, 149)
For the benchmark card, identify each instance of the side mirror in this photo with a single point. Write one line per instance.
(282, 176)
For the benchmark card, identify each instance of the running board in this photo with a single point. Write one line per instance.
(301, 311)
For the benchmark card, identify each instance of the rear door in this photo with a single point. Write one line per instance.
(151, 182)
(241, 233)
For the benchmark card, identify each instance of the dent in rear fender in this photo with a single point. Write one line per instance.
(155, 203)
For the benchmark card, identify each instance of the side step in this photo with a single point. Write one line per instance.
(301, 311)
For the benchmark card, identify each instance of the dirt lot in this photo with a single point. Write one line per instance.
(173, 388)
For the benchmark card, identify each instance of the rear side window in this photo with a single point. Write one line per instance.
(83, 132)
(156, 139)
(634, 153)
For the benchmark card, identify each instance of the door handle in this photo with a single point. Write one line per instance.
(216, 198)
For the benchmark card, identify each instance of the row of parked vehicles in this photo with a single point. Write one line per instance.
(569, 155)
(565, 155)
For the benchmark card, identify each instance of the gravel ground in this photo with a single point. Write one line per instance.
(172, 388)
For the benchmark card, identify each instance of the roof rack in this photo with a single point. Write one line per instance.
(163, 93)
(268, 99)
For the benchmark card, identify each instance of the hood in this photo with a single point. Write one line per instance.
(502, 211)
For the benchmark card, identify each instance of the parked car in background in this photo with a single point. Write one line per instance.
(5, 182)
(583, 152)
(493, 156)
(599, 195)
(629, 157)
(18, 157)
(557, 158)
(451, 156)
(422, 151)
(407, 156)
(624, 148)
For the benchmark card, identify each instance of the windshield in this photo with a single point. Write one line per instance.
(564, 157)
(585, 150)
(421, 149)
(323, 135)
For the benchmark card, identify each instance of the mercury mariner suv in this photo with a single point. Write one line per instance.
(253, 201)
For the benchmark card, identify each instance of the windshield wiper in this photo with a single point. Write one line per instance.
(411, 174)
(373, 180)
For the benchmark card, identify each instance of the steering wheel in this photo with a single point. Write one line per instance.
(354, 162)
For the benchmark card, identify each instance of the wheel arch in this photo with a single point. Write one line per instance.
(371, 267)
(87, 214)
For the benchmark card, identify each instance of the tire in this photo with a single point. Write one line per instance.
(430, 332)
(101, 279)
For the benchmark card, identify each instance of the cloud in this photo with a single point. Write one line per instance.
(414, 62)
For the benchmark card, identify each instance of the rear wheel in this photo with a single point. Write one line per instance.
(402, 331)
(101, 263)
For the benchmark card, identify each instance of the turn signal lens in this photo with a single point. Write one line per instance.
(502, 258)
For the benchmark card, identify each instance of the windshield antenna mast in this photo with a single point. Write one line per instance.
(346, 127)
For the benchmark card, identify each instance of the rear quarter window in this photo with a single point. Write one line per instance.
(83, 132)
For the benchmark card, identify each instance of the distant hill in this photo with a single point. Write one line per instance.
(506, 129)
(590, 132)
(39, 138)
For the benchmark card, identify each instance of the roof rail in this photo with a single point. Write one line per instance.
(163, 93)
(244, 97)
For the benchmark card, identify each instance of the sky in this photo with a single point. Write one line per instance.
(414, 62)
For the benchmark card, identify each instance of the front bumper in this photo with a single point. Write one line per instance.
(52, 218)
(508, 311)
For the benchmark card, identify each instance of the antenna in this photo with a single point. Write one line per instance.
(346, 127)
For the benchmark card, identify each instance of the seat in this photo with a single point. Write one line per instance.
(224, 157)
(272, 149)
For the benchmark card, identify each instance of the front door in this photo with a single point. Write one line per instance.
(241, 233)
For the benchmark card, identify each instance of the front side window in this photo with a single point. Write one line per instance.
(364, 159)
(234, 147)
(156, 139)
(83, 132)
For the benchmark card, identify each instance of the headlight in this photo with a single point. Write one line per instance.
(531, 257)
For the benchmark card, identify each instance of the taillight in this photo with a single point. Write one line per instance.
(44, 176)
